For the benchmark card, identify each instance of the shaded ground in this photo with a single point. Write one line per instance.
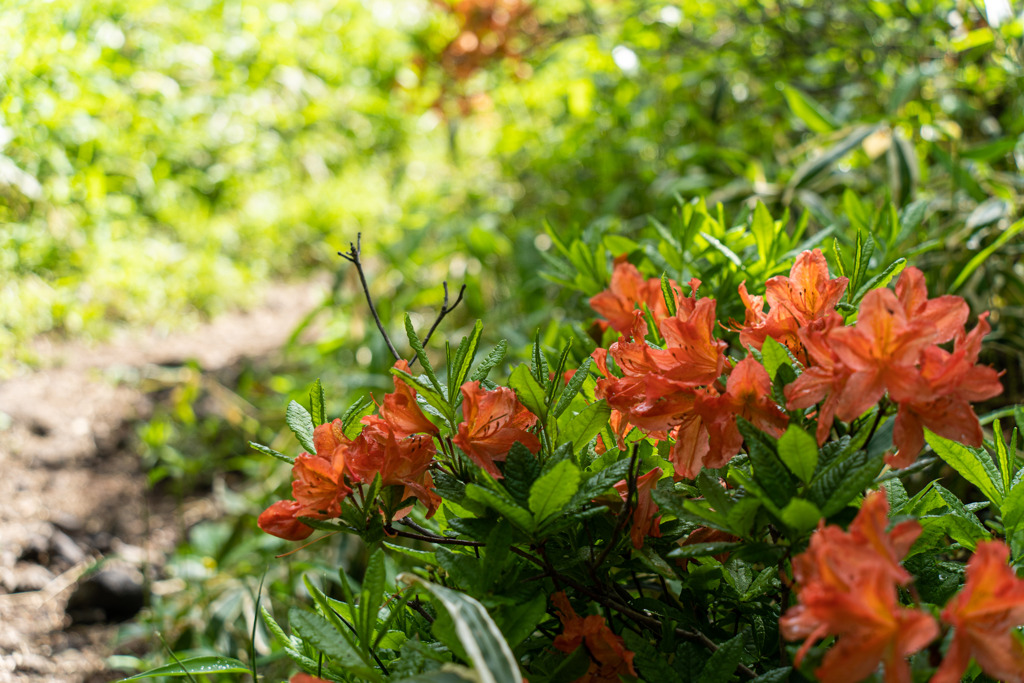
(71, 490)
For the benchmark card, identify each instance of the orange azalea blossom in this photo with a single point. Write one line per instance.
(946, 315)
(807, 296)
(400, 461)
(494, 420)
(608, 654)
(984, 615)
(871, 625)
(318, 486)
(747, 395)
(846, 586)
(401, 410)
(645, 515)
(949, 383)
(306, 678)
(282, 520)
(882, 351)
(627, 291)
(825, 379)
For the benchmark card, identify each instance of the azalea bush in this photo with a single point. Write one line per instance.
(673, 495)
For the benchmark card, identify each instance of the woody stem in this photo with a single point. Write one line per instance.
(352, 256)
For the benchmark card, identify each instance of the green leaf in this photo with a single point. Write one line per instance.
(515, 514)
(464, 357)
(849, 478)
(668, 294)
(1013, 508)
(449, 673)
(433, 397)
(863, 250)
(521, 469)
(599, 482)
(812, 168)
(319, 633)
(763, 227)
(529, 391)
(769, 471)
(317, 401)
(550, 493)
(271, 452)
(350, 423)
(587, 424)
(723, 662)
(773, 356)
(572, 388)
(372, 595)
(538, 364)
(301, 424)
(496, 355)
(421, 354)
(1004, 454)
(984, 254)
(703, 549)
(477, 633)
(840, 261)
(814, 116)
(880, 280)
(974, 464)
(206, 664)
(801, 515)
(799, 451)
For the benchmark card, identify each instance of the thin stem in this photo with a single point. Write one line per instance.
(429, 538)
(352, 256)
(624, 514)
(445, 310)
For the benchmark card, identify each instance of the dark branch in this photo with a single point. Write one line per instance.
(352, 256)
(445, 310)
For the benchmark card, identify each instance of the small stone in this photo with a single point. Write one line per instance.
(110, 596)
(64, 549)
(30, 577)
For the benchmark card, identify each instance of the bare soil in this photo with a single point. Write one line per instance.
(72, 492)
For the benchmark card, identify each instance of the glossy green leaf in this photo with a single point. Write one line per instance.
(530, 393)
(974, 464)
(299, 421)
(207, 664)
(553, 490)
(478, 635)
(798, 450)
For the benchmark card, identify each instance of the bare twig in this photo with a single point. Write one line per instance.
(352, 256)
(445, 310)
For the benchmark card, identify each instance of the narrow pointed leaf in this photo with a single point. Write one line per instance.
(300, 422)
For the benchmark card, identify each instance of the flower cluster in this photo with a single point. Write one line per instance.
(397, 445)
(893, 349)
(846, 586)
(608, 654)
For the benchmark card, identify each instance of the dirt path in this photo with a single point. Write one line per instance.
(71, 489)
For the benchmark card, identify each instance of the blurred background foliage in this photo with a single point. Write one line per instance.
(161, 162)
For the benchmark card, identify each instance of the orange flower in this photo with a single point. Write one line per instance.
(748, 395)
(318, 484)
(808, 295)
(306, 678)
(882, 350)
(846, 586)
(946, 315)
(627, 291)
(281, 520)
(494, 420)
(950, 381)
(608, 653)
(400, 461)
(871, 625)
(401, 410)
(825, 379)
(645, 514)
(985, 614)
(691, 355)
